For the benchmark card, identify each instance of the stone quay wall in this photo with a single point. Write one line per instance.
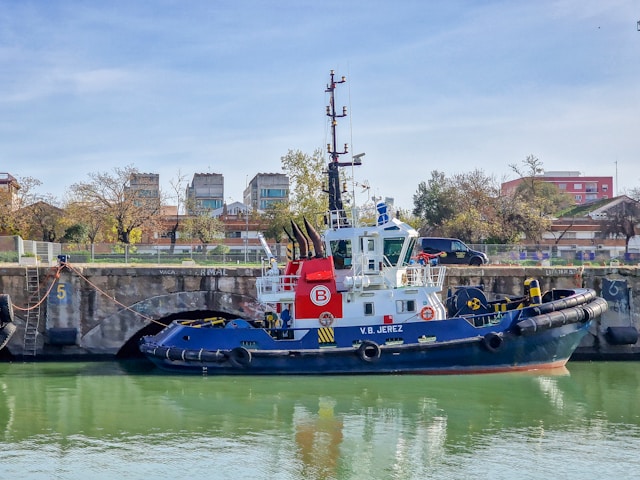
(103, 310)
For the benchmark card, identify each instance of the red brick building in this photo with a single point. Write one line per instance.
(582, 189)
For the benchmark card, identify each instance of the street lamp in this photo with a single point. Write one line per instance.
(246, 216)
(246, 233)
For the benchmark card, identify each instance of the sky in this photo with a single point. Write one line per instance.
(178, 87)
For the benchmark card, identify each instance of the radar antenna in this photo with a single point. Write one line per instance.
(336, 207)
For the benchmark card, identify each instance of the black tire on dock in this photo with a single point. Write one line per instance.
(6, 333)
(6, 309)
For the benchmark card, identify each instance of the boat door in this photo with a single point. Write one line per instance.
(371, 259)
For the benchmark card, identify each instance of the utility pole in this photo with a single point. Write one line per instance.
(246, 216)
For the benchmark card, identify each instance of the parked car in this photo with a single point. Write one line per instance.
(454, 251)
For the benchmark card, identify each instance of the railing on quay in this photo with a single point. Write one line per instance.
(15, 250)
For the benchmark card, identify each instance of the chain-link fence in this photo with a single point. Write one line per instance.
(15, 250)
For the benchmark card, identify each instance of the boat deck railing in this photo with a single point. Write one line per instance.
(337, 219)
(277, 287)
(425, 276)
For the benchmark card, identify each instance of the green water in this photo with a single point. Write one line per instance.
(128, 420)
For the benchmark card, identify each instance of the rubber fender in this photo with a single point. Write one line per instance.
(6, 309)
(239, 357)
(546, 321)
(209, 356)
(596, 308)
(369, 351)
(174, 353)
(6, 333)
(62, 336)
(570, 299)
(492, 341)
(621, 335)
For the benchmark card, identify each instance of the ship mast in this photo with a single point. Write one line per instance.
(334, 191)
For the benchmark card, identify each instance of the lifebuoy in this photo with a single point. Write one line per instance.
(369, 351)
(492, 341)
(239, 357)
(427, 313)
(326, 319)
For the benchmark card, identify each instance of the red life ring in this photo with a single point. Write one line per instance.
(427, 313)
(326, 319)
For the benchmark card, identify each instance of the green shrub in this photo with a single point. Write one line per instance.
(9, 257)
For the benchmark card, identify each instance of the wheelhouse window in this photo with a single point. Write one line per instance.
(392, 247)
(341, 251)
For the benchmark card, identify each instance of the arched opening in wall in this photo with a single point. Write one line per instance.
(6, 355)
(130, 348)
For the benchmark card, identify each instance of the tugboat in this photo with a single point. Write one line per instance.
(358, 301)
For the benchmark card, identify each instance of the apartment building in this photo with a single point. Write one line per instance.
(581, 188)
(266, 189)
(205, 193)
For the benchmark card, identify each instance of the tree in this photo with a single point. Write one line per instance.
(14, 219)
(204, 228)
(306, 176)
(535, 199)
(76, 233)
(90, 217)
(621, 222)
(633, 193)
(475, 199)
(113, 196)
(434, 202)
(277, 217)
(43, 220)
(506, 225)
(178, 187)
(529, 172)
(467, 225)
(543, 196)
(461, 206)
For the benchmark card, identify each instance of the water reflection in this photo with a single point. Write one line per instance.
(306, 427)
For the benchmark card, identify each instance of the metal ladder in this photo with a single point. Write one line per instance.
(32, 320)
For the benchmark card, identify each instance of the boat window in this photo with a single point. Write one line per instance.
(409, 252)
(392, 248)
(341, 251)
(367, 245)
(368, 308)
(405, 306)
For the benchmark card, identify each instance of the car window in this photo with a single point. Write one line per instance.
(458, 246)
(431, 245)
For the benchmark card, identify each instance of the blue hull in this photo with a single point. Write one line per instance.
(444, 347)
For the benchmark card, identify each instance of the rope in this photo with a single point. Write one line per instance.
(72, 269)
(55, 278)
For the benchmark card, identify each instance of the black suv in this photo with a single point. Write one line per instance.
(454, 251)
